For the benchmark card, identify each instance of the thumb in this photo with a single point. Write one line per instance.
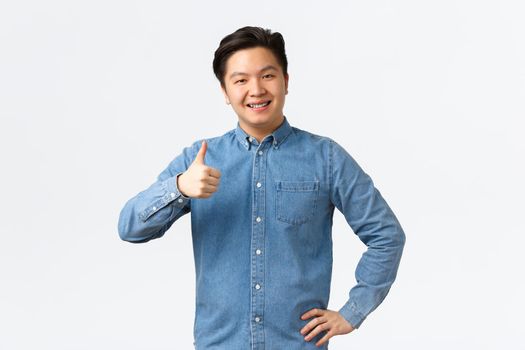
(202, 152)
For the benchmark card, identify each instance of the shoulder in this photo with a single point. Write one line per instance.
(310, 137)
(330, 148)
(211, 141)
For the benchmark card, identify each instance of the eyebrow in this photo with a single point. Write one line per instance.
(268, 67)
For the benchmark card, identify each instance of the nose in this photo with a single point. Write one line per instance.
(257, 88)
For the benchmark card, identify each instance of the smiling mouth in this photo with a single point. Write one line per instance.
(258, 105)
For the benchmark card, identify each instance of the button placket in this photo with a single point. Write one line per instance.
(258, 238)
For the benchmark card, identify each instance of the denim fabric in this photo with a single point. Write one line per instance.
(263, 242)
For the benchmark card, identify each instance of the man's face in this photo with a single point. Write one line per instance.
(255, 86)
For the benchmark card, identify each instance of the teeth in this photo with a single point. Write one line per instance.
(259, 105)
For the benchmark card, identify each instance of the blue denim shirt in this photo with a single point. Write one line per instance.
(263, 242)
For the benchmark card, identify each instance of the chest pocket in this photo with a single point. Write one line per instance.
(296, 201)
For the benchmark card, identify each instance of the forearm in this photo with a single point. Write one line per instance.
(373, 221)
(150, 213)
(375, 272)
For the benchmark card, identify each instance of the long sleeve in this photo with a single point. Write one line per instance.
(150, 213)
(353, 193)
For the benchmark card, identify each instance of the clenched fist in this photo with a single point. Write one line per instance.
(199, 180)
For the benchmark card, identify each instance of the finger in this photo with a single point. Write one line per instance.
(206, 175)
(316, 331)
(312, 313)
(206, 194)
(212, 181)
(203, 187)
(316, 321)
(215, 173)
(324, 339)
(209, 189)
(202, 152)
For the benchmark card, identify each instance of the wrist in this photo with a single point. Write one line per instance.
(179, 187)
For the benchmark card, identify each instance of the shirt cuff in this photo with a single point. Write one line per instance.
(175, 193)
(170, 194)
(350, 313)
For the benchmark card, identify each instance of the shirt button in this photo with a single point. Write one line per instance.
(251, 139)
(258, 252)
(260, 153)
(257, 319)
(259, 184)
(180, 200)
(258, 218)
(257, 286)
(154, 208)
(172, 195)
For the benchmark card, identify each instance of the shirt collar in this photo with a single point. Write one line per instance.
(279, 135)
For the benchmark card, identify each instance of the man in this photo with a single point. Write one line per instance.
(262, 197)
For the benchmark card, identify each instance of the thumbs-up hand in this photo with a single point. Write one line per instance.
(199, 180)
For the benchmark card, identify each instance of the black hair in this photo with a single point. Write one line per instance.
(245, 38)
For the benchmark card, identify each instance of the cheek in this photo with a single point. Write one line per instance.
(238, 98)
(279, 90)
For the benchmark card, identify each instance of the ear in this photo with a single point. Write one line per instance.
(286, 77)
(226, 99)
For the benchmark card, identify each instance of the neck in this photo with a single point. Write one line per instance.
(259, 132)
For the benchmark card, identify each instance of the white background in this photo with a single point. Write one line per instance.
(97, 97)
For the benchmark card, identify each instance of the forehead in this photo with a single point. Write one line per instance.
(251, 60)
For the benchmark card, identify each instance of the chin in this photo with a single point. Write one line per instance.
(258, 120)
(261, 119)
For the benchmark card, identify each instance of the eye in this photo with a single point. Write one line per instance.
(240, 81)
(268, 76)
